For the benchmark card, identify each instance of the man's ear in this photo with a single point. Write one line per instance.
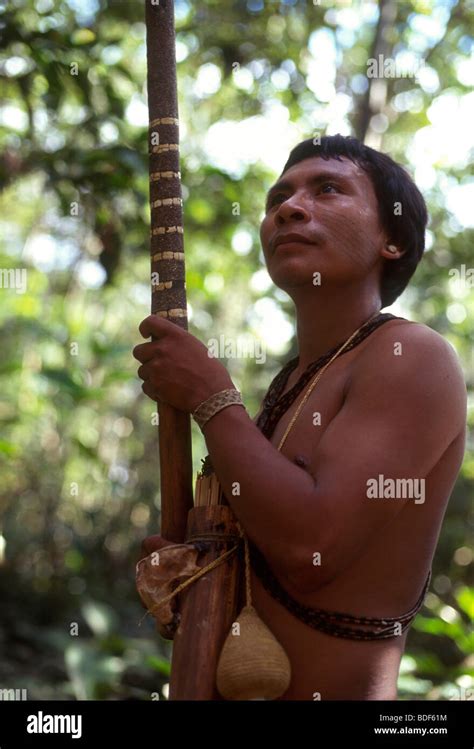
(391, 251)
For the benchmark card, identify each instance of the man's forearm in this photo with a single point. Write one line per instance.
(268, 494)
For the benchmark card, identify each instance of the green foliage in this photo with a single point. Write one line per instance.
(78, 453)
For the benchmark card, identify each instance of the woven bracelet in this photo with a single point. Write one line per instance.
(216, 403)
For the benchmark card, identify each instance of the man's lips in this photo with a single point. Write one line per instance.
(291, 238)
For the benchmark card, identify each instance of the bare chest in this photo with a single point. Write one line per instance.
(303, 425)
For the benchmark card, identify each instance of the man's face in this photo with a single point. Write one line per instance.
(331, 207)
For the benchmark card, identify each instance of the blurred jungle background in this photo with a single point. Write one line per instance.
(79, 482)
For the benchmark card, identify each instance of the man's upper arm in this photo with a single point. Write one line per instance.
(403, 409)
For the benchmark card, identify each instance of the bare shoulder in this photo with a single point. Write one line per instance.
(412, 345)
(413, 362)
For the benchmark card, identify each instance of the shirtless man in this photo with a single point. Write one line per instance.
(392, 407)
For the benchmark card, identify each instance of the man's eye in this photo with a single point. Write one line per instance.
(330, 185)
(278, 197)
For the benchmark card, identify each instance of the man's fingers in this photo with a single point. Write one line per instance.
(156, 326)
(144, 371)
(149, 390)
(145, 351)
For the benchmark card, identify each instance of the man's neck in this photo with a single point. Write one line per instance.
(324, 320)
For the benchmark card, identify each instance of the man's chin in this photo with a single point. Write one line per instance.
(293, 283)
(291, 277)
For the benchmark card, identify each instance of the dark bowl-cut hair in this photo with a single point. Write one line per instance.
(393, 187)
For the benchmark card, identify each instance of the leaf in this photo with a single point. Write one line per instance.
(83, 36)
(8, 448)
(465, 599)
(92, 674)
(158, 664)
(99, 617)
(411, 685)
(437, 626)
(62, 378)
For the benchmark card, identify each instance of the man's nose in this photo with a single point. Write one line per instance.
(292, 209)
